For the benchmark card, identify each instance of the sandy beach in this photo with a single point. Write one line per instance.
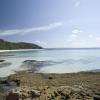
(18, 50)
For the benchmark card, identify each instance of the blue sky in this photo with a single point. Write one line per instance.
(51, 23)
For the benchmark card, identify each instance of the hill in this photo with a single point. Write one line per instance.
(5, 45)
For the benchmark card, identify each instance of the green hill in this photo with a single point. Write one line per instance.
(5, 45)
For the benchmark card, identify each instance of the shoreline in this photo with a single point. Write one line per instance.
(29, 71)
(35, 69)
(61, 78)
(89, 82)
(19, 50)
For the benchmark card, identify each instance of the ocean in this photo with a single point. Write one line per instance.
(56, 60)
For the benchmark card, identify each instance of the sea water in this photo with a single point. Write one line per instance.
(66, 60)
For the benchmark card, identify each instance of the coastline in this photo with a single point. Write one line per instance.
(19, 50)
(36, 80)
(84, 84)
(33, 66)
(89, 82)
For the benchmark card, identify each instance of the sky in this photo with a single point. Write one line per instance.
(51, 23)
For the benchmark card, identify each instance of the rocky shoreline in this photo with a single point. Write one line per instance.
(27, 85)
(37, 86)
(52, 93)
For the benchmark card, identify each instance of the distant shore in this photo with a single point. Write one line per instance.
(19, 50)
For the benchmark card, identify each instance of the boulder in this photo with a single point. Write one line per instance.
(52, 93)
(22, 93)
(96, 97)
(65, 93)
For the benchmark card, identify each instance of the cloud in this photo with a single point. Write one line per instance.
(28, 30)
(77, 3)
(42, 43)
(76, 31)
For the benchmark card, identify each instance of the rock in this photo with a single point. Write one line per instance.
(35, 65)
(65, 93)
(12, 96)
(96, 97)
(10, 83)
(34, 94)
(3, 81)
(5, 64)
(2, 60)
(30, 61)
(17, 82)
(22, 93)
(52, 93)
(50, 77)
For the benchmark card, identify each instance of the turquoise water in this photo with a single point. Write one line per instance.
(63, 60)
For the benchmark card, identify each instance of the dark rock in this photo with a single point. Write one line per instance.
(4, 81)
(12, 96)
(35, 65)
(17, 82)
(96, 97)
(2, 60)
(56, 93)
(50, 77)
(30, 61)
(34, 94)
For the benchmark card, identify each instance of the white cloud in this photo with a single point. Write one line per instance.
(42, 43)
(76, 31)
(77, 3)
(28, 30)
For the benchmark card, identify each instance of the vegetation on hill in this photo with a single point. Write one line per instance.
(5, 45)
